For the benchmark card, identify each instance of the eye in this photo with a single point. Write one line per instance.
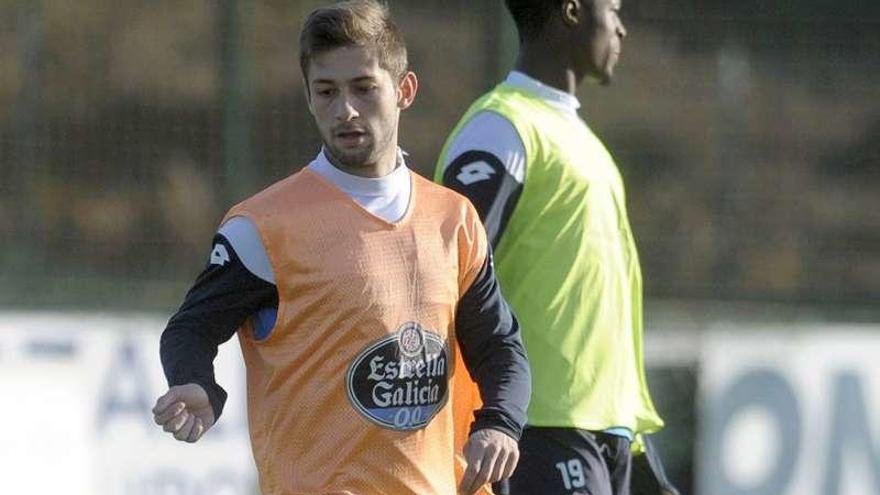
(367, 89)
(325, 92)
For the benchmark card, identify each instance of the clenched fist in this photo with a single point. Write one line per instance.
(185, 412)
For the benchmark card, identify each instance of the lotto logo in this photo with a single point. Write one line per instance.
(475, 172)
(219, 256)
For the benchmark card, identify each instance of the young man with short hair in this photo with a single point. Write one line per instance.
(553, 203)
(355, 287)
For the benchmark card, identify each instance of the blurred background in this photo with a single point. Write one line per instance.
(748, 133)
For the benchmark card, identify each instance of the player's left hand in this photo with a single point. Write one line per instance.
(491, 456)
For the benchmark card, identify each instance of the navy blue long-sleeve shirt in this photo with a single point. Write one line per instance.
(227, 293)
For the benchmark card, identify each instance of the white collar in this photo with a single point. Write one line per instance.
(351, 184)
(555, 97)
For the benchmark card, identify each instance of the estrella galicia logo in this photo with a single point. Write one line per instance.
(400, 382)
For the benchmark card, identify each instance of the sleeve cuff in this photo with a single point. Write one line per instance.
(216, 394)
(496, 421)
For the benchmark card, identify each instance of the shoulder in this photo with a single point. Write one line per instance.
(429, 191)
(488, 130)
(491, 115)
(442, 198)
(488, 144)
(301, 187)
(299, 180)
(244, 239)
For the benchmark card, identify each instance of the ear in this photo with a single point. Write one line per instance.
(406, 90)
(571, 12)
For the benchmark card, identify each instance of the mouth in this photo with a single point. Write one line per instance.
(351, 136)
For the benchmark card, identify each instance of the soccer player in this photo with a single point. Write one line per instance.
(553, 204)
(355, 286)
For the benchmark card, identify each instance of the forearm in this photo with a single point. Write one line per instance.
(187, 353)
(504, 380)
(489, 336)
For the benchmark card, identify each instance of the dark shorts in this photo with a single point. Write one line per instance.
(567, 461)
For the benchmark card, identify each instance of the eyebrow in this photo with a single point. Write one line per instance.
(355, 80)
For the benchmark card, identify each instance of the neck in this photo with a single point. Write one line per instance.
(384, 165)
(552, 71)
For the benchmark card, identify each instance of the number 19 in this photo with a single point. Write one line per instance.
(572, 473)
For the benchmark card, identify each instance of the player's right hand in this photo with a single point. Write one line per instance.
(185, 412)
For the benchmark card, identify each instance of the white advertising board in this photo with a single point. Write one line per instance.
(75, 398)
(790, 411)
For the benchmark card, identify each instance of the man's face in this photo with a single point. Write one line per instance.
(603, 31)
(356, 105)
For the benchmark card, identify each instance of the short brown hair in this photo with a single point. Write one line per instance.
(364, 23)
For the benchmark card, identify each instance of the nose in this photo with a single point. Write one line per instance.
(621, 30)
(345, 110)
